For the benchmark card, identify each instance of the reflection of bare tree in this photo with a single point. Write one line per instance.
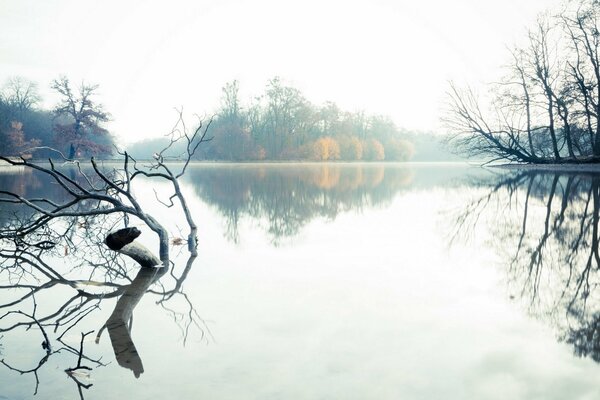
(45, 346)
(54, 254)
(120, 322)
(550, 229)
(287, 197)
(75, 372)
(32, 278)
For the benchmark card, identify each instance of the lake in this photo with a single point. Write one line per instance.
(318, 281)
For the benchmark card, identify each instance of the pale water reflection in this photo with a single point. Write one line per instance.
(329, 281)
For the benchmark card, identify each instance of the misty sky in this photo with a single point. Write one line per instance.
(381, 56)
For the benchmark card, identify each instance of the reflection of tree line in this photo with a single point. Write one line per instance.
(288, 197)
(30, 184)
(551, 234)
(20, 183)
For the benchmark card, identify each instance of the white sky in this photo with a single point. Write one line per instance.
(381, 56)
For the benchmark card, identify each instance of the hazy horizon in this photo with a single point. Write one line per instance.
(390, 58)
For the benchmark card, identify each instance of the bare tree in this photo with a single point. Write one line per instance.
(110, 190)
(580, 22)
(94, 202)
(79, 118)
(475, 133)
(21, 93)
(546, 74)
(525, 100)
(551, 96)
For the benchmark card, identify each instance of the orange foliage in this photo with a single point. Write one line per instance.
(373, 150)
(17, 145)
(326, 148)
(327, 177)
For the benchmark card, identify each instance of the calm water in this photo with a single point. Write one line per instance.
(324, 282)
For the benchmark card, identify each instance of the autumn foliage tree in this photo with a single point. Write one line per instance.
(16, 144)
(326, 149)
(373, 150)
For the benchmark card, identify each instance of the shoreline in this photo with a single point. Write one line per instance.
(550, 167)
(270, 162)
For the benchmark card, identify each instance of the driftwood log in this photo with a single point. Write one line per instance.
(120, 322)
(123, 241)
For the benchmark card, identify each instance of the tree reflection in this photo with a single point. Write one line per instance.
(120, 322)
(545, 225)
(287, 197)
(61, 303)
(53, 277)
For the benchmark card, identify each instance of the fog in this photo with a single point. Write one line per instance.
(387, 57)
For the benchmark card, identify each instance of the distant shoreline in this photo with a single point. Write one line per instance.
(268, 162)
(551, 167)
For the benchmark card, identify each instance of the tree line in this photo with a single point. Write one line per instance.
(281, 124)
(547, 107)
(73, 126)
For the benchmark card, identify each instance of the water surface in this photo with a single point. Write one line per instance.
(327, 281)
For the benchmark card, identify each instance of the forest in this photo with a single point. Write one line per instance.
(281, 124)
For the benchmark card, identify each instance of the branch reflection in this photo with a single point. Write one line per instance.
(53, 278)
(544, 225)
